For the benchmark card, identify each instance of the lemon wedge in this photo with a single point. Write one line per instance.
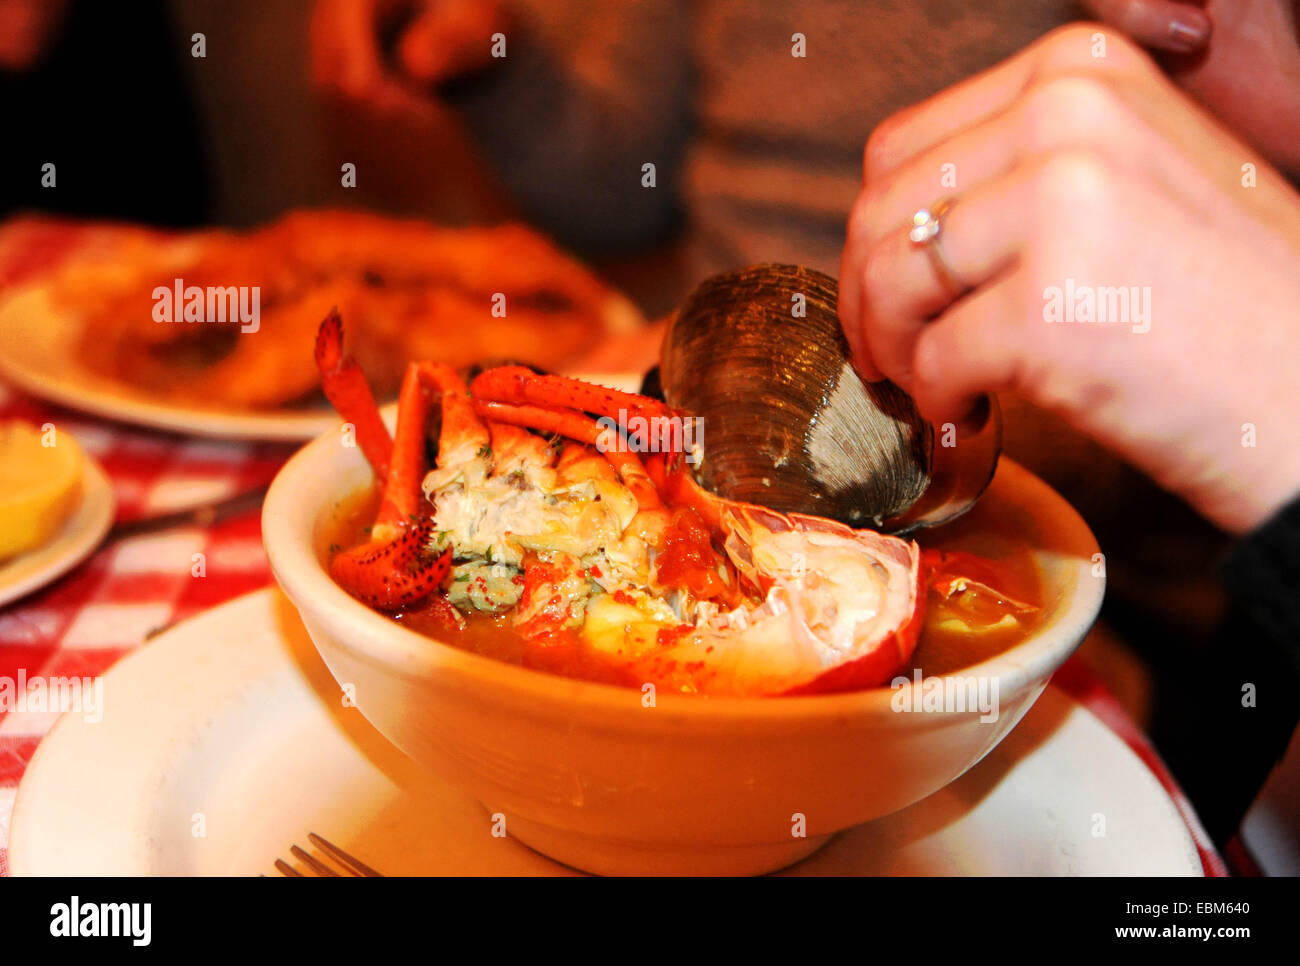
(40, 484)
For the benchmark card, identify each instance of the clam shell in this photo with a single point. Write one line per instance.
(758, 354)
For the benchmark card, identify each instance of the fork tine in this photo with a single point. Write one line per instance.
(350, 864)
(355, 865)
(320, 868)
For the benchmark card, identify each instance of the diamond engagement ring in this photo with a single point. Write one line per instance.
(927, 227)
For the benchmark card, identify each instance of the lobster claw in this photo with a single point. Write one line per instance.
(392, 574)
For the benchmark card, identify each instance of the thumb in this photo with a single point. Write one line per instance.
(422, 51)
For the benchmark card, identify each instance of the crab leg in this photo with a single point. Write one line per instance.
(461, 438)
(392, 570)
(463, 435)
(392, 574)
(522, 386)
(347, 390)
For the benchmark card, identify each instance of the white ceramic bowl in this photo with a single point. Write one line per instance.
(588, 775)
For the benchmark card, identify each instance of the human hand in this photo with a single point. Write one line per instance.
(450, 38)
(1241, 59)
(1079, 177)
(432, 41)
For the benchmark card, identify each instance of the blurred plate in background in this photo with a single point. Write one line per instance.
(39, 354)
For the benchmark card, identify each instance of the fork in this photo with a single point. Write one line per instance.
(348, 865)
(199, 514)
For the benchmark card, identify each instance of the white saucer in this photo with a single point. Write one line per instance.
(230, 724)
(76, 540)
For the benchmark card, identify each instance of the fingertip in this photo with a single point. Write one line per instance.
(852, 320)
(940, 408)
(860, 355)
(1177, 27)
(415, 54)
(866, 370)
(1188, 32)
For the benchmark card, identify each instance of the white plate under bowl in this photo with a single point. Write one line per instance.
(225, 739)
(76, 540)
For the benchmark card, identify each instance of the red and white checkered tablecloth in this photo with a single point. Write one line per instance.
(84, 622)
(130, 588)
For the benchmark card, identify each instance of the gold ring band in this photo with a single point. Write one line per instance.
(927, 232)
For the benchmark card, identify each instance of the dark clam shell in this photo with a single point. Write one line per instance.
(787, 423)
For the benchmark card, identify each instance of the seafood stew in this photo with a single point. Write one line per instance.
(959, 630)
(535, 532)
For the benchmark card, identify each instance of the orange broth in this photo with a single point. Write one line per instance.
(939, 651)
